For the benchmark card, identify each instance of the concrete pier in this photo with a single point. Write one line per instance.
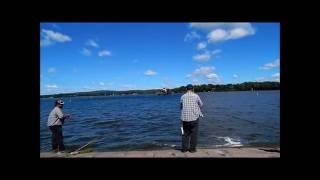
(234, 152)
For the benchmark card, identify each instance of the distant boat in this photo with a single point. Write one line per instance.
(163, 91)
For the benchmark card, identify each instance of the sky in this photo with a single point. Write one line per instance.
(78, 57)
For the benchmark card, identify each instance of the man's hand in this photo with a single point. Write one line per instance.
(67, 116)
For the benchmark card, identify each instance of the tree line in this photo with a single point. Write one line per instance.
(246, 86)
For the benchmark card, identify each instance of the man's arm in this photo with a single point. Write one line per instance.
(181, 105)
(62, 116)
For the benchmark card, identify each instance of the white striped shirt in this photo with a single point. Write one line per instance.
(191, 104)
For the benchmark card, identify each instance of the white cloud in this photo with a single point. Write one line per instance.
(207, 27)
(215, 52)
(55, 36)
(206, 55)
(52, 70)
(218, 32)
(49, 37)
(51, 86)
(238, 33)
(86, 52)
(235, 76)
(276, 77)
(261, 79)
(150, 73)
(101, 83)
(92, 43)
(202, 57)
(191, 36)
(104, 53)
(271, 65)
(201, 45)
(213, 78)
(273, 77)
(204, 70)
(217, 35)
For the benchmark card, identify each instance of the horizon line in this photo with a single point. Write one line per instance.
(152, 88)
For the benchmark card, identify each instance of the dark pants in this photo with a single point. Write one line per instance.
(190, 135)
(57, 138)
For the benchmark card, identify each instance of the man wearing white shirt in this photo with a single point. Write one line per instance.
(55, 120)
(190, 112)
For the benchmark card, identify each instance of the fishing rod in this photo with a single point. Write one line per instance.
(90, 142)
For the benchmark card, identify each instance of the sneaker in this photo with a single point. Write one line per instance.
(61, 152)
(183, 150)
(193, 150)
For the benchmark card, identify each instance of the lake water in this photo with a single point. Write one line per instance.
(153, 122)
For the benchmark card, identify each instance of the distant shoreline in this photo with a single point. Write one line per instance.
(246, 86)
(152, 94)
(133, 93)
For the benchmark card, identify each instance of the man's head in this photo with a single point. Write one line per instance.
(189, 87)
(59, 103)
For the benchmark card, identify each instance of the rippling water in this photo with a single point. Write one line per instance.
(153, 122)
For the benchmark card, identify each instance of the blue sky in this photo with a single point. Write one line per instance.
(121, 56)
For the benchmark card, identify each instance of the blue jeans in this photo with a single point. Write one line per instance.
(190, 135)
